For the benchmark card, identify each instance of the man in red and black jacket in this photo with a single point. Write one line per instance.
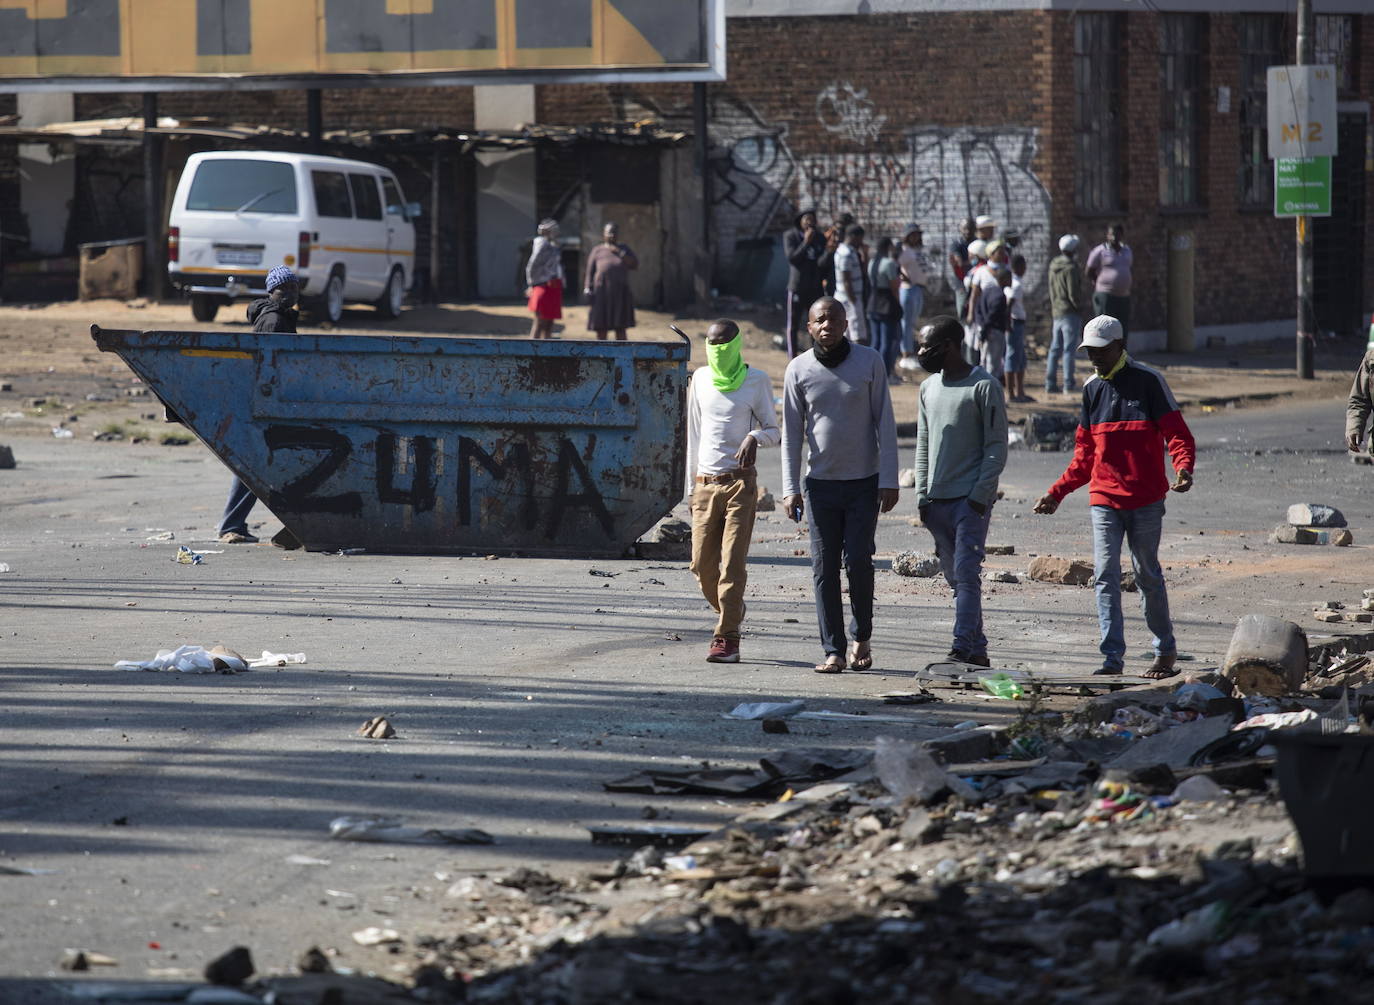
(1128, 415)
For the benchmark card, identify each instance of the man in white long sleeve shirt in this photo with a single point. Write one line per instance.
(730, 415)
(835, 399)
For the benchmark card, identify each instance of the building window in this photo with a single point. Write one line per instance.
(1261, 46)
(1180, 103)
(1335, 46)
(1097, 97)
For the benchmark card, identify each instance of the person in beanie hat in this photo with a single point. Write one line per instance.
(275, 312)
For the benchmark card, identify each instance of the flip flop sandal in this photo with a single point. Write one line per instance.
(832, 664)
(860, 662)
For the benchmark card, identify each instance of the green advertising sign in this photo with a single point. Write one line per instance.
(1302, 186)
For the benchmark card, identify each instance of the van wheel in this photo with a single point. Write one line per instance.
(204, 307)
(389, 304)
(331, 304)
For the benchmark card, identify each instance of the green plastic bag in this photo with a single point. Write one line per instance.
(999, 685)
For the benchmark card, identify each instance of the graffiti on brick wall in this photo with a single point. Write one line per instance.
(843, 109)
(875, 187)
(752, 170)
(969, 171)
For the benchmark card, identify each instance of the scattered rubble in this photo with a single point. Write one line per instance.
(914, 563)
(1064, 571)
(377, 728)
(1315, 515)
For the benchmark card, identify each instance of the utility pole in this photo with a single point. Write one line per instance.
(1307, 315)
(154, 241)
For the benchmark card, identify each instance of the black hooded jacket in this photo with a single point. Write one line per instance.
(267, 315)
(803, 260)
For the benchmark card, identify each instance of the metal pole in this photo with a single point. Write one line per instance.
(314, 120)
(435, 272)
(1307, 320)
(153, 240)
(703, 146)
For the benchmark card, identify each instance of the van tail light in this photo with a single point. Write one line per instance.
(173, 244)
(303, 250)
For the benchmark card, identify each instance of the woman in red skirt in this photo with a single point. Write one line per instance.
(544, 280)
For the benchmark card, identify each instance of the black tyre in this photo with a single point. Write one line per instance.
(204, 307)
(389, 304)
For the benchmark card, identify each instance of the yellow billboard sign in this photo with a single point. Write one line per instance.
(195, 44)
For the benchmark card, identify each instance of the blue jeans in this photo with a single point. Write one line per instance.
(960, 537)
(1063, 344)
(1016, 346)
(1141, 528)
(886, 336)
(237, 508)
(844, 518)
(913, 302)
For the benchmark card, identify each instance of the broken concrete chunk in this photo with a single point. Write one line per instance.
(765, 503)
(673, 531)
(376, 728)
(1288, 534)
(1342, 538)
(912, 563)
(1328, 616)
(1003, 577)
(1000, 549)
(1267, 655)
(1315, 515)
(906, 478)
(1064, 571)
(1330, 605)
(1362, 617)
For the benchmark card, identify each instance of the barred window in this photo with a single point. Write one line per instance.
(1097, 96)
(1335, 46)
(1180, 105)
(1261, 46)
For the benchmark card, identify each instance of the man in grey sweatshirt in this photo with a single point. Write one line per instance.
(835, 398)
(961, 448)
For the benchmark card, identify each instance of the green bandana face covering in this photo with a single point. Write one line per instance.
(728, 368)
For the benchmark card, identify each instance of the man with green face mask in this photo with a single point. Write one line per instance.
(730, 414)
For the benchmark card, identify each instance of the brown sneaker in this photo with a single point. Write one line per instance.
(234, 537)
(723, 650)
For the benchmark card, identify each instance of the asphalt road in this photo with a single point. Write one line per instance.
(171, 814)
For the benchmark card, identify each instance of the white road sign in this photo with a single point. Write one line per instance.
(1302, 111)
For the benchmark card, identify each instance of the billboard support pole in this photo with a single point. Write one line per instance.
(435, 266)
(314, 120)
(1307, 320)
(153, 241)
(703, 148)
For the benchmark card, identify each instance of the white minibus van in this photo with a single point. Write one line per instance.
(342, 226)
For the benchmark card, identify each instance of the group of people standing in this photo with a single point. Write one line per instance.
(882, 291)
(837, 404)
(605, 283)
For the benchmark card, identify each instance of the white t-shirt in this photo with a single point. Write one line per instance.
(915, 266)
(1016, 299)
(718, 421)
(847, 262)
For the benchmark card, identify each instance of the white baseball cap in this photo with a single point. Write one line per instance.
(977, 249)
(984, 221)
(1068, 242)
(1101, 331)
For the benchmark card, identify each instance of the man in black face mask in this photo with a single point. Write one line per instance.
(273, 313)
(961, 448)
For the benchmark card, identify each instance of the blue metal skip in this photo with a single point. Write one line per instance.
(433, 444)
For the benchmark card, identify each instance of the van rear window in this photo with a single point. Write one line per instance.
(331, 194)
(229, 186)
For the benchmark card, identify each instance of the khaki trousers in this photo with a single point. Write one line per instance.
(722, 526)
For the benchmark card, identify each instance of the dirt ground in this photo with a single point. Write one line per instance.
(48, 354)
